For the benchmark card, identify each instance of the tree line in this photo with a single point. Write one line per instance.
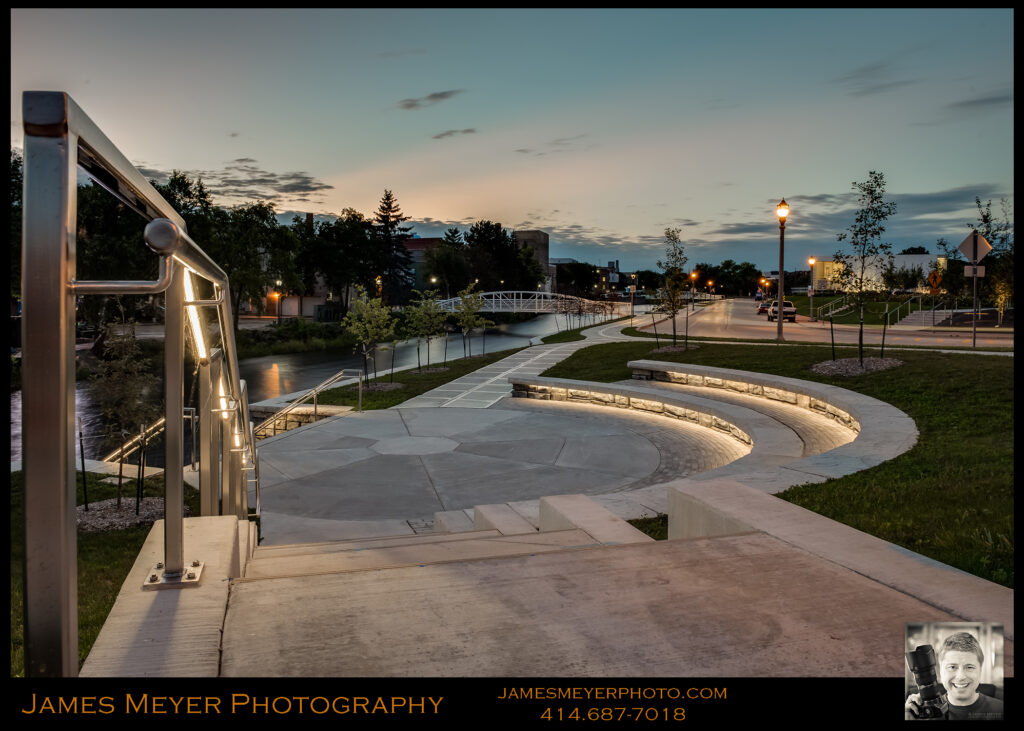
(256, 251)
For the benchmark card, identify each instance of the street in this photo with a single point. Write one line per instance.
(738, 318)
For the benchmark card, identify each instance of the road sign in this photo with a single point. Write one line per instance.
(967, 247)
(970, 271)
(934, 279)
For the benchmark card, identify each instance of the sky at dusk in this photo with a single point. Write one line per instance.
(600, 127)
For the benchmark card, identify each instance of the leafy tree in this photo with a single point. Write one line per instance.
(575, 278)
(675, 277)
(447, 261)
(344, 256)
(370, 322)
(914, 250)
(497, 262)
(393, 260)
(254, 251)
(467, 315)
(424, 320)
(998, 231)
(859, 270)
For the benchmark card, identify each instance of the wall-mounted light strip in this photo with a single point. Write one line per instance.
(193, 318)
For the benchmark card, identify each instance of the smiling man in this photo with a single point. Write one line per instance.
(960, 663)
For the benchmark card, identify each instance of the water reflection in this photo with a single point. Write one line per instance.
(273, 376)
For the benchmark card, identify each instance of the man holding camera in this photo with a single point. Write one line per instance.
(960, 663)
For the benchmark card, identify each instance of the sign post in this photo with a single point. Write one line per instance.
(975, 247)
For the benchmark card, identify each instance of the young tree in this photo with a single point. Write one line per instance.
(393, 259)
(998, 280)
(466, 314)
(370, 322)
(125, 391)
(675, 279)
(860, 270)
(423, 320)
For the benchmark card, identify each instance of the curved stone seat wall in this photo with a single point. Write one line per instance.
(883, 431)
(758, 432)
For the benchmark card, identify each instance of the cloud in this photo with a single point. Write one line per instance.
(450, 132)
(242, 181)
(233, 134)
(873, 78)
(997, 100)
(429, 99)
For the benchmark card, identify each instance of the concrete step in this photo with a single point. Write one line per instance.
(418, 554)
(363, 544)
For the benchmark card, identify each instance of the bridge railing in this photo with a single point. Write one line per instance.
(60, 139)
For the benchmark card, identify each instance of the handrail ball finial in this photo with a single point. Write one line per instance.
(163, 236)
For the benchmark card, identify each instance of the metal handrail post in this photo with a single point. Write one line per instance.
(227, 440)
(209, 433)
(48, 394)
(174, 401)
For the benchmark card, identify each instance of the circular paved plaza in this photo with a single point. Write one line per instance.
(410, 463)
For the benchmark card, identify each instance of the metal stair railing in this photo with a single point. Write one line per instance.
(829, 309)
(60, 139)
(312, 393)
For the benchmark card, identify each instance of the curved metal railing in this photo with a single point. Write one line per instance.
(60, 139)
(260, 430)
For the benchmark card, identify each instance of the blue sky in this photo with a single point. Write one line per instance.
(601, 127)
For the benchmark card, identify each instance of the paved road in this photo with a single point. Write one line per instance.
(738, 318)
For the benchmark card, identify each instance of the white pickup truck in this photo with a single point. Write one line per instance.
(788, 310)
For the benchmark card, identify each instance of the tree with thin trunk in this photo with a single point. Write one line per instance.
(675, 279)
(424, 320)
(370, 322)
(466, 314)
(860, 270)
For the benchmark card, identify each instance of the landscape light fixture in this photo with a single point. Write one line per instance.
(193, 318)
(781, 210)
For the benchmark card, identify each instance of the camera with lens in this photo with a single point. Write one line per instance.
(933, 694)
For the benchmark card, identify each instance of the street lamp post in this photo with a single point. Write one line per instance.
(632, 298)
(280, 300)
(693, 282)
(782, 210)
(810, 288)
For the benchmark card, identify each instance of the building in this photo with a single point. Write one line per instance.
(538, 241)
(825, 270)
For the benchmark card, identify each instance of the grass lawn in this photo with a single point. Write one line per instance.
(104, 560)
(949, 498)
(413, 382)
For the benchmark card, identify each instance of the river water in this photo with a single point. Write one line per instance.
(276, 375)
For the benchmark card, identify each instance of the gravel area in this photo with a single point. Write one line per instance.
(104, 515)
(852, 367)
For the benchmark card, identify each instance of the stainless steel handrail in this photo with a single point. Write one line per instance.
(60, 139)
(310, 394)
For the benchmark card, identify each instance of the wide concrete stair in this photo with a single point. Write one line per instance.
(567, 522)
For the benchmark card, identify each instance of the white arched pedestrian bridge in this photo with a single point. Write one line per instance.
(519, 301)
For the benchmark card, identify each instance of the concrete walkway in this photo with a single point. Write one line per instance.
(755, 586)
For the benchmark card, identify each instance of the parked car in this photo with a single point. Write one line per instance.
(788, 311)
(762, 307)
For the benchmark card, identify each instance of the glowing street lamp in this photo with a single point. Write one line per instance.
(280, 299)
(693, 281)
(810, 288)
(782, 210)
